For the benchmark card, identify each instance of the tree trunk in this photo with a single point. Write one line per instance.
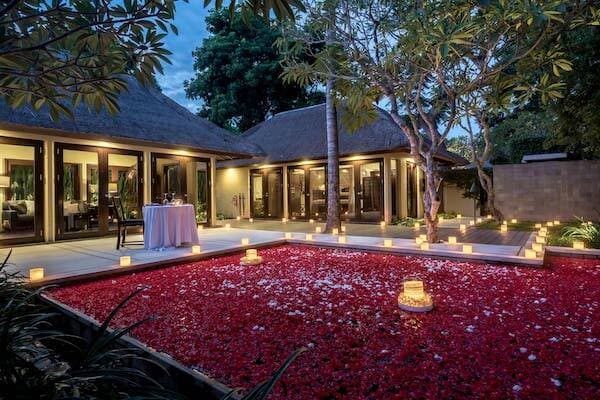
(333, 161)
(431, 199)
(488, 185)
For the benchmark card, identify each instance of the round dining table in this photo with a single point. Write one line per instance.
(169, 226)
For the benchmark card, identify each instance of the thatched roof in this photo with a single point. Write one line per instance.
(301, 134)
(146, 115)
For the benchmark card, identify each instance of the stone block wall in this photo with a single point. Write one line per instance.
(548, 190)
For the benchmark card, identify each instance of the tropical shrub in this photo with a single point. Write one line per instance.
(586, 231)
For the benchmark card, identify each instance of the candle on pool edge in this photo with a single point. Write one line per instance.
(36, 274)
(451, 239)
(196, 249)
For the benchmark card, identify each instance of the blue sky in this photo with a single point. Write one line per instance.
(189, 20)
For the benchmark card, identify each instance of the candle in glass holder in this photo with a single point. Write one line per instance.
(467, 249)
(196, 249)
(245, 241)
(578, 244)
(342, 239)
(318, 229)
(424, 246)
(387, 243)
(309, 236)
(288, 235)
(125, 261)
(334, 231)
(36, 274)
(451, 239)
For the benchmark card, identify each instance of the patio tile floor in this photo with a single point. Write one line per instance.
(63, 260)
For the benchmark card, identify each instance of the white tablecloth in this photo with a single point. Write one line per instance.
(169, 226)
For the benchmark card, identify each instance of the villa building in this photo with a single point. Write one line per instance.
(57, 178)
(378, 179)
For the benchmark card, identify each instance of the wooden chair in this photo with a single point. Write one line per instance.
(123, 222)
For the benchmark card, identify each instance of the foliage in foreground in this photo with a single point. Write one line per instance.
(38, 360)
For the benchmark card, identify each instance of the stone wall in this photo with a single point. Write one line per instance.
(548, 190)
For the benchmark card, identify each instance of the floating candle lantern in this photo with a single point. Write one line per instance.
(36, 274)
(342, 239)
(578, 244)
(125, 261)
(387, 243)
(413, 297)
(251, 258)
(196, 249)
(245, 241)
(467, 249)
(451, 239)
(529, 253)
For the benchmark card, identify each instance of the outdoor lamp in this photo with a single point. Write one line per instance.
(529, 253)
(245, 241)
(538, 247)
(335, 231)
(451, 239)
(196, 249)
(467, 249)
(309, 236)
(36, 274)
(424, 246)
(125, 261)
(342, 239)
(578, 244)
(413, 297)
(288, 235)
(387, 243)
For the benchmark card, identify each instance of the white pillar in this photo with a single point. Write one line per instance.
(147, 174)
(213, 197)
(387, 189)
(285, 192)
(50, 183)
(403, 188)
(420, 207)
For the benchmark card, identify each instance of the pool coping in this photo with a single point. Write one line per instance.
(174, 367)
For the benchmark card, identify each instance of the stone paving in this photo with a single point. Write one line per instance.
(92, 257)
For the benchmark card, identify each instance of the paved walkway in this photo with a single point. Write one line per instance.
(447, 228)
(63, 260)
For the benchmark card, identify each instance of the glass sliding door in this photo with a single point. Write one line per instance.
(21, 191)
(347, 195)
(411, 189)
(124, 172)
(297, 192)
(185, 178)
(87, 178)
(371, 189)
(266, 193)
(317, 184)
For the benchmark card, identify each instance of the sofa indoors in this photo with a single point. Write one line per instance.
(18, 215)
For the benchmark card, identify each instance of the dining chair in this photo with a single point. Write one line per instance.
(123, 222)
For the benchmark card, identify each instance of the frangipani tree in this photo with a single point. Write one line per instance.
(59, 53)
(422, 59)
